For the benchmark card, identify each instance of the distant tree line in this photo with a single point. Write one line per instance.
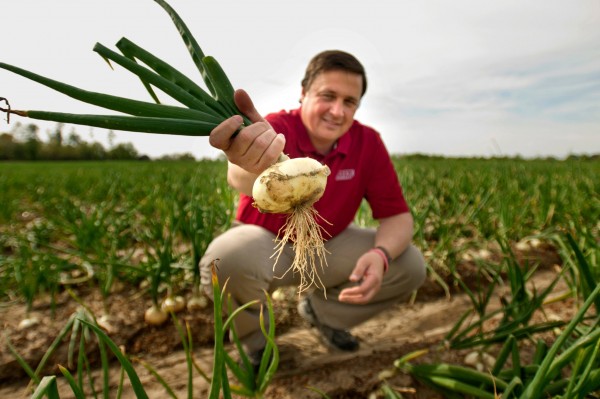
(571, 157)
(23, 143)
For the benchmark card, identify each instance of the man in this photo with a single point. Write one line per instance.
(368, 270)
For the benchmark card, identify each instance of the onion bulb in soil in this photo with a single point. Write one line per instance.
(155, 316)
(197, 302)
(292, 187)
(173, 304)
(106, 323)
(28, 323)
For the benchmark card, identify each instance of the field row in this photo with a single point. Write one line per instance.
(149, 222)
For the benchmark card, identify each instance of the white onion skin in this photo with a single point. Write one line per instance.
(173, 304)
(28, 323)
(287, 185)
(197, 303)
(155, 316)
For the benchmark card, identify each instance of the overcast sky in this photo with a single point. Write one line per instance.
(457, 78)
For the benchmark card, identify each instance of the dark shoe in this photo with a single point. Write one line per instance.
(336, 339)
(255, 359)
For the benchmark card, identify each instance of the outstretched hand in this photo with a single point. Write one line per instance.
(368, 274)
(254, 147)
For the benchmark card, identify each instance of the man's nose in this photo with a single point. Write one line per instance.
(337, 108)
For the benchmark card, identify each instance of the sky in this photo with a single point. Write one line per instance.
(453, 78)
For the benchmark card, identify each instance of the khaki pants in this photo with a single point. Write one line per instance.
(244, 254)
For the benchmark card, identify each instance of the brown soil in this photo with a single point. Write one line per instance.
(305, 362)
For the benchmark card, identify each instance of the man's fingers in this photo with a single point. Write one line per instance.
(246, 106)
(354, 295)
(262, 153)
(270, 156)
(255, 147)
(220, 137)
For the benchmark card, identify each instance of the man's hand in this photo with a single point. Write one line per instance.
(368, 273)
(255, 147)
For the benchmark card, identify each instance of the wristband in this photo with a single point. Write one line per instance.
(384, 255)
(387, 254)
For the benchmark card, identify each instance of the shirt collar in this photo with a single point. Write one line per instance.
(342, 146)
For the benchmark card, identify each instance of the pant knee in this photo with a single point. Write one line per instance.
(408, 272)
(206, 272)
(239, 259)
(418, 267)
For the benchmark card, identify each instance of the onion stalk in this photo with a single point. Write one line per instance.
(198, 114)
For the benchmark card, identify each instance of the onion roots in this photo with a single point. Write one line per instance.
(292, 187)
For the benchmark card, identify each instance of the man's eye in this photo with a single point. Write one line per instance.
(328, 96)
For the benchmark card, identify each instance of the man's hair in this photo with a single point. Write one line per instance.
(333, 60)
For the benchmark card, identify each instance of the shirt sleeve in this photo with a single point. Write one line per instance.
(384, 192)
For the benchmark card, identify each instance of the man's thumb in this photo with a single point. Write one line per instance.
(246, 106)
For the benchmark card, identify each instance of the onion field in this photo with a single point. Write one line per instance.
(107, 223)
(75, 226)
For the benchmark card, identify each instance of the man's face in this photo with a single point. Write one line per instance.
(329, 105)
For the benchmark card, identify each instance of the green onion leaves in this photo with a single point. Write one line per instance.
(199, 113)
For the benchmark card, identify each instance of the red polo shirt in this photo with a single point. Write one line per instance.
(360, 168)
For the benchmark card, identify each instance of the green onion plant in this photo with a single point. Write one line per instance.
(568, 368)
(82, 324)
(199, 111)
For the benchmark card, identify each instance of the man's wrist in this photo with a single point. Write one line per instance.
(384, 255)
(386, 252)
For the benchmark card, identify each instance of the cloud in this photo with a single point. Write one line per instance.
(460, 77)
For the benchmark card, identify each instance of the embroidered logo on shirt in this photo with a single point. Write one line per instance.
(345, 174)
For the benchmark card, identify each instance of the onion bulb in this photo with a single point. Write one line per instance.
(480, 360)
(292, 187)
(155, 316)
(197, 302)
(290, 184)
(105, 322)
(173, 304)
(28, 323)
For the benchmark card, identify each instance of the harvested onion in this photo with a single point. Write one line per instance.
(288, 185)
(292, 187)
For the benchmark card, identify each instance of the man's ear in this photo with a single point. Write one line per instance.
(302, 95)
